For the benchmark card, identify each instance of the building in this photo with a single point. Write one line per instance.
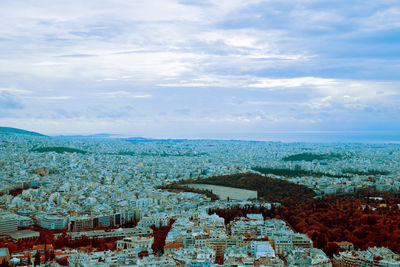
(137, 243)
(282, 244)
(304, 257)
(200, 263)
(104, 220)
(218, 245)
(345, 245)
(270, 262)
(52, 221)
(200, 240)
(156, 220)
(244, 227)
(8, 224)
(121, 232)
(373, 256)
(23, 221)
(77, 224)
(260, 249)
(301, 241)
(4, 255)
(24, 235)
(171, 247)
(118, 219)
(42, 248)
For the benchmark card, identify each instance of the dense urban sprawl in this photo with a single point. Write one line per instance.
(88, 189)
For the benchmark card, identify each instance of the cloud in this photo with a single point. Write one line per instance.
(124, 94)
(49, 98)
(383, 19)
(15, 91)
(201, 3)
(292, 82)
(48, 63)
(76, 55)
(259, 64)
(9, 101)
(101, 111)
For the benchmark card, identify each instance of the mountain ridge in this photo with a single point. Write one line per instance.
(8, 130)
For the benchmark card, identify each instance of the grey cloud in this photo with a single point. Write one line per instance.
(215, 51)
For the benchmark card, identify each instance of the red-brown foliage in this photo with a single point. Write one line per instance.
(62, 261)
(160, 234)
(62, 241)
(362, 221)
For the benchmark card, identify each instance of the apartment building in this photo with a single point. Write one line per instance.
(8, 224)
(52, 221)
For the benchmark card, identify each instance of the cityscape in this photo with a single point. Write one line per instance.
(96, 201)
(200, 133)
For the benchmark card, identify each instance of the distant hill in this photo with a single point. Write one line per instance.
(18, 131)
(135, 140)
(59, 150)
(100, 135)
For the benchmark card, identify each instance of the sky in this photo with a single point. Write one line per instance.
(193, 69)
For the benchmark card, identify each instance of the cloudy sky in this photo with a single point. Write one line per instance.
(196, 68)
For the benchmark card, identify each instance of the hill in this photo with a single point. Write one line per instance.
(99, 135)
(59, 150)
(11, 130)
(311, 157)
(136, 140)
(270, 189)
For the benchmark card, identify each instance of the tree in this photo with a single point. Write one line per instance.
(46, 255)
(4, 263)
(63, 261)
(331, 249)
(37, 258)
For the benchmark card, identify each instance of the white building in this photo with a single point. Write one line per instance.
(137, 243)
(156, 219)
(260, 249)
(52, 221)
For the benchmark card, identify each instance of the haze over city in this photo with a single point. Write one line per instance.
(202, 69)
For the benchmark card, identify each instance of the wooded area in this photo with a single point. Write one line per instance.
(269, 189)
(359, 219)
(307, 156)
(60, 149)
